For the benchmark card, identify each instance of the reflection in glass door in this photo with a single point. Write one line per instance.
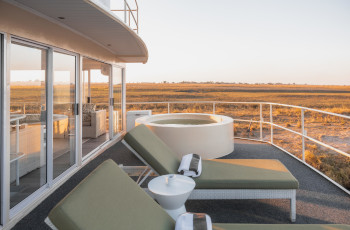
(117, 78)
(27, 120)
(64, 125)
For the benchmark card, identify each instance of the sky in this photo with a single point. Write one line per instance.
(250, 41)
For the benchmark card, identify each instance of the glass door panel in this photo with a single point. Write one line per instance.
(27, 121)
(64, 128)
(95, 108)
(117, 77)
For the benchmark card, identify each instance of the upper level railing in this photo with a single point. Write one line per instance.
(130, 13)
(319, 139)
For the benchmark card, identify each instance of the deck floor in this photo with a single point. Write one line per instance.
(318, 200)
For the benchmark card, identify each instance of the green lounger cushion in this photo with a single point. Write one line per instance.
(280, 227)
(245, 174)
(109, 199)
(153, 150)
(216, 174)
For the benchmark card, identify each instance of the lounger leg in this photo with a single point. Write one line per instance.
(140, 176)
(145, 177)
(293, 208)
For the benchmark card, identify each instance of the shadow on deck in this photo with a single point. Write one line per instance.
(318, 200)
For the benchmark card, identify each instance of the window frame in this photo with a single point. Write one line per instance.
(122, 99)
(3, 209)
(77, 116)
(49, 123)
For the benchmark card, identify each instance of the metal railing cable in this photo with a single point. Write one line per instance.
(129, 14)
(169, 107)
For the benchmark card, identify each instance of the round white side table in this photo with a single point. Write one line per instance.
(171, 191)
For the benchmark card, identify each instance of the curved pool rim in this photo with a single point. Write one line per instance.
(210, 141)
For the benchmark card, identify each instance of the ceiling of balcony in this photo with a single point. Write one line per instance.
(91, 19)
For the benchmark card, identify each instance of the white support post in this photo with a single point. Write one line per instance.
(168, 107)
(303, 133)
(214, 108)
(271, 122)
(261, 123)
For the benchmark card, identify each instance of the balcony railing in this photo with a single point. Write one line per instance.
(129, 13)
(317, 138)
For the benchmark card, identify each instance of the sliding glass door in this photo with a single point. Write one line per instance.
(96, 102)
(28, 120)
(64, 112)
(39, 128)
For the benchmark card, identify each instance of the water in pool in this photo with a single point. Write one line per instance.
(184, 122)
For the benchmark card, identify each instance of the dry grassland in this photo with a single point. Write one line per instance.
(332, 130)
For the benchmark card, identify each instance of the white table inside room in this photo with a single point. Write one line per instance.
(171, 191)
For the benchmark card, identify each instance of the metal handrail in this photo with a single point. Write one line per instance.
(128, 13)
(16, 118)
(272, 124)
(228, 102)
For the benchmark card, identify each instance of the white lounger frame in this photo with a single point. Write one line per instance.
(222, 194)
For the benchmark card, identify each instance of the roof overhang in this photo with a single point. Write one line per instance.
(94, 21)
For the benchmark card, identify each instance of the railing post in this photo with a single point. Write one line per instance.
(168, 107)
(24, 108)
(303, 133)
(271, 122)
(125, 11)
(261, 120)
(213, 107)
(17, 136)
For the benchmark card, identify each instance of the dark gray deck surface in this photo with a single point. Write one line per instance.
(318, 200)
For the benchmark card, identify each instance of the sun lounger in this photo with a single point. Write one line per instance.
(109, 199)
(220, 179)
